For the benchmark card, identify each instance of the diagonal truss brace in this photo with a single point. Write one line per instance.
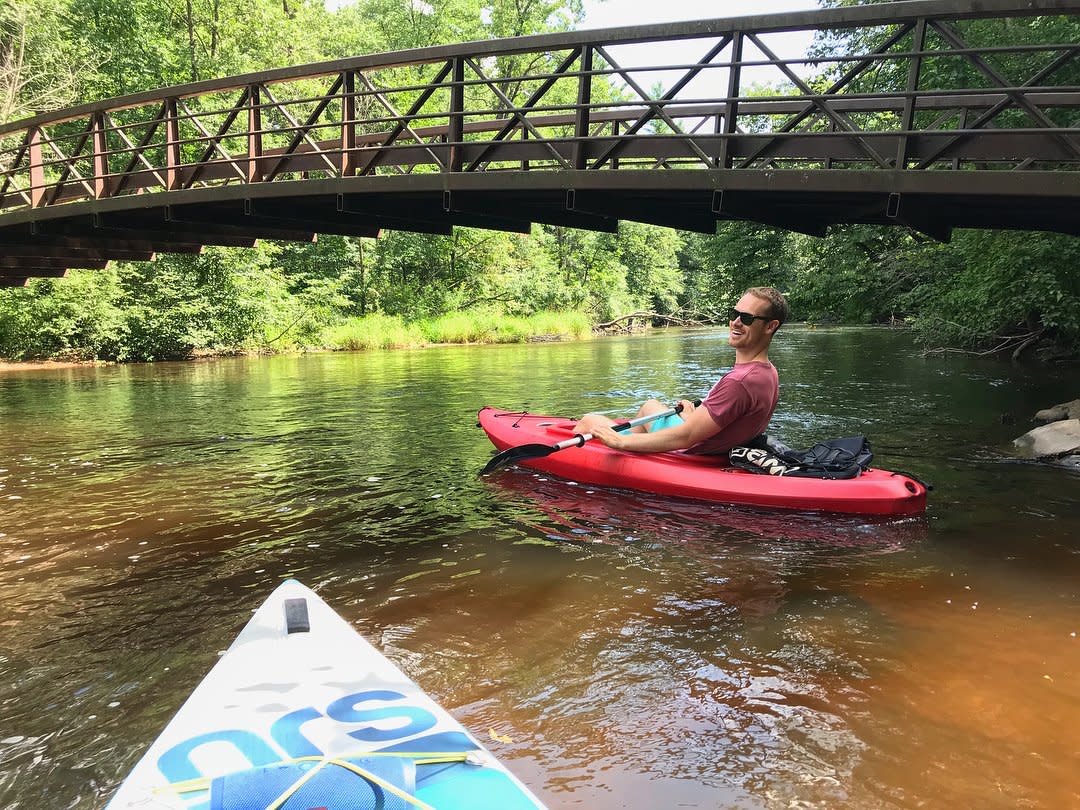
(840, 120)
(302, 131)
(1018, 99)
(389, 107)
(403, 122)
(656, 106)
(518, 113)
(215, 140)
(137, 155)
(69, 162)
(853, 73)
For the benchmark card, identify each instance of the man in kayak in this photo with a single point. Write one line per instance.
(738, 407)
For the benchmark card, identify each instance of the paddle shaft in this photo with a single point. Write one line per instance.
(580, 438)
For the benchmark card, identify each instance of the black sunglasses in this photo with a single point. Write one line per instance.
(747, 318)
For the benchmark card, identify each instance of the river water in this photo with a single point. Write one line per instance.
(638, 652)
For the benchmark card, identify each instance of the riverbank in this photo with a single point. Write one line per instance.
(181, 341)
(45, 365)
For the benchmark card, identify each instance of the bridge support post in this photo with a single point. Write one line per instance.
(173, 178)
(254, 135)
(581, 122)
(101, 157)
(37, 168)
(731, 104)
(348, 124)
(918, 42)
(456, 125)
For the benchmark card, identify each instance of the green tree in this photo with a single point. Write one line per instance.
(39, 68)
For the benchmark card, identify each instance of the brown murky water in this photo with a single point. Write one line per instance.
(638, 652)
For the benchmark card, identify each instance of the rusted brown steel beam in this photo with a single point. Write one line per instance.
(907, 122)
(584, 108)
(348, 123)
(116, 228)
(22, 264)
(179, 223)
(256, 214)
(254, 169)
(730, 125)
(690, 216)
(456, 114)
(23, 274)
(94, 253)
(549, 210)
(10, 243)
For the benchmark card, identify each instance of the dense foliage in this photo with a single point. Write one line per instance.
(984, 290)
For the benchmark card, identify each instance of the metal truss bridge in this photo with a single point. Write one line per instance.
(919, 125)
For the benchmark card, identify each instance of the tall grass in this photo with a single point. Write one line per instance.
(473, 326)
(372, 332)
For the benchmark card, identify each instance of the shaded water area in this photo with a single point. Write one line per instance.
(639, 652)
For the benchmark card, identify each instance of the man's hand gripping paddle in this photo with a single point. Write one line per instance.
(525, 452)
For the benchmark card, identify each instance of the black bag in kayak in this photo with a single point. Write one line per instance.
(835, 458)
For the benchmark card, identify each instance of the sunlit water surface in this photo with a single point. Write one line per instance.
(638, 652)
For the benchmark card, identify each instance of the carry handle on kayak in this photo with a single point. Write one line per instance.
(525, 452)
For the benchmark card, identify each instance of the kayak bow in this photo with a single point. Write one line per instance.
(301, 711)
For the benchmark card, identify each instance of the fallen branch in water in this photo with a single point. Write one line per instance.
(1015, 343)
(645, 316)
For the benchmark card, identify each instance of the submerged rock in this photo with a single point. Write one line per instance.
(1060, 438)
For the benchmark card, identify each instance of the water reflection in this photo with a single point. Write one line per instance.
(578, 513)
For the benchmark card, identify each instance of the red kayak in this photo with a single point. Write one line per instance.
(709, 478)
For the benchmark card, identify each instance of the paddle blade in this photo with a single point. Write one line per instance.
(516, 454)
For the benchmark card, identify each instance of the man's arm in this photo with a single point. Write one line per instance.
(696, 427)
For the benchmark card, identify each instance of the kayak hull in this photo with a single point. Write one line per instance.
(708, 478)
(279, 699)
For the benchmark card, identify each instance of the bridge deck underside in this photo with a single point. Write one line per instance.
(84, 235)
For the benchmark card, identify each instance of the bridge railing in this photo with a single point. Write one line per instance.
(920, 92)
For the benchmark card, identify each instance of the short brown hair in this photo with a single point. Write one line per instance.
(778, 306)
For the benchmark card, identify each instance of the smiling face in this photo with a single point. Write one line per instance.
(755, 337)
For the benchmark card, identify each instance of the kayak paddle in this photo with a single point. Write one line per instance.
(527, 451)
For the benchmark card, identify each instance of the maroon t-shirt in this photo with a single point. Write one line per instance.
(741, 403)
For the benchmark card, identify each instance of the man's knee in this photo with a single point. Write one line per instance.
(651, 406)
